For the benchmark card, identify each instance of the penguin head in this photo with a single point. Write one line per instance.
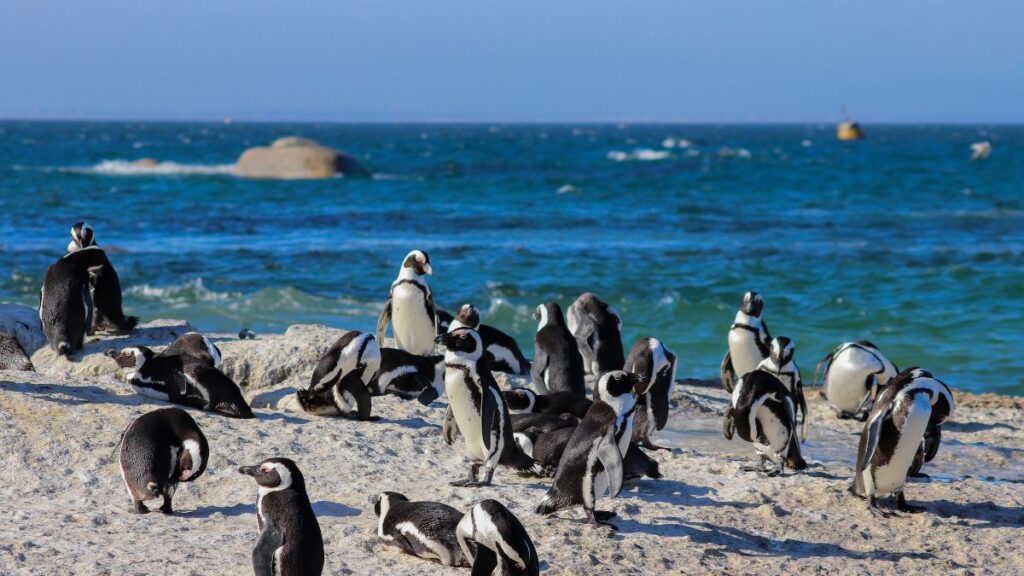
(463, 343)
(619, 389)
(591, 305)
(82, 235)
(782, 351)
(275, 474)
(521, 399)
(382, 502)
(468, 316)
(131, 358)
(547, 313)
(752, 304)
(193, 458)
(418, 262)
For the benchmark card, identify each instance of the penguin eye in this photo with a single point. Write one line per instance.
(462, 336)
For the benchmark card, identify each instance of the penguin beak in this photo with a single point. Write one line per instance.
(373, 499)
(249, 470)
(441, 338)
(427, 269)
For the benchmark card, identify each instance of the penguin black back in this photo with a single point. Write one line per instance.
(557, 364)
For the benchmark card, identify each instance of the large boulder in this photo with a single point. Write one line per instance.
(269, 360)
(23, 323)
(294, 158)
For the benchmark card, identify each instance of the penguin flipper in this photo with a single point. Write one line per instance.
(611, 460)
(540, 363)
(488, 406)
(729, 423)
(427, 396)
(384, 319)
(263, 554)
(485, 562)
(431, 309)
(874, 433)
(327, 364)
(728, 373)
(450, 429)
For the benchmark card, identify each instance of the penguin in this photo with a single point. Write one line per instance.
(525, 401)
(657, 364)
(343, 379)
(913, 403)
(159, 450)
(197, 346)
(592, 464)
(423, 529)
(780, 364)
(290, 542)
(557, 364)
(12, 355)
(410, 307)
(410, 376)
(492, 536)
(545, 447)
(477, 409)
(749, 341)
(65, 302)
(104, 286)
(501, 351)
(181, 380)
(538, 423)
(763, 412)
(597, 328)
(636, 464)
(853, 373)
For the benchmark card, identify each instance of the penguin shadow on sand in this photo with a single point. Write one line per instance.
(977, 426)
(328, 509)
(74, 395)
(680, 494)
(240, 509)
(268, 415)
(988, 514)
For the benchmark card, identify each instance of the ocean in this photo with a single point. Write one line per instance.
(899, 239)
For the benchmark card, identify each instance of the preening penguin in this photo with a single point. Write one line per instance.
(910, 406)
(501, 351)
(196, 346)
(493, 537)
(105, 287)
(597, 328)
(853, 373)
(763, 412)
(557, 364)
(423, 529)
(656, 364)
(410, 376)
(526, 401)
(290, 542)
(780, 364)
(477, 409)
(410, 307)
(158, 450)
(748, 341)
(343, 378)
(82, 236)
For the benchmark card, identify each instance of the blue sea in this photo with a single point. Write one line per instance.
(899, 239)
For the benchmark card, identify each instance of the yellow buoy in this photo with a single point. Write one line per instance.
(849, 130)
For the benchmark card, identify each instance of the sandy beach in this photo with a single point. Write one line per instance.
(67, 509)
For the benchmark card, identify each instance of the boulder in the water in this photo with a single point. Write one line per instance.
(294, 158)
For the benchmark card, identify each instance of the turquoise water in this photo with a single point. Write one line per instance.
(898, 239)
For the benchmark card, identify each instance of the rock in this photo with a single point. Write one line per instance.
(280, 398)
(267, 361)
(23, 323)
(293, 158)
(145, 163)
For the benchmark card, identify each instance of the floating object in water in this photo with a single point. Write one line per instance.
(980, 150)
(849, 130)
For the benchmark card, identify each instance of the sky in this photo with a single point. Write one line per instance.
(515, 60)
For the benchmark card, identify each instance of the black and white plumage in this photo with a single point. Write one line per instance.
(104, 286)
(557, 364)
(197, 346)
(12, 355)
(907, 409)
(539, 422)
(545, 446)
(763, 412)
(501, 351)
(410, 307)
(525, 401)
(180, 379)
(444, 320)
(82, 236)
(410, 376)
(423, 529)
(853, 373)
(497, 541)
(65, 301)
(657, 365)
(749, 341)
(597, 328)
(290, 542)
(592, 465)
(477, 409)
(343, 378)
(781, 364)
(159, 450)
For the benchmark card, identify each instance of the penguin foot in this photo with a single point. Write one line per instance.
(604, 515)
(600, 518)
(469, 483)
(844, 415)
(773, 473)
(902, 506)
(139, 508)
(166, 509)
(651, 446)
(918, 475)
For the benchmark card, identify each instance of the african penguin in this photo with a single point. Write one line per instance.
(65, 301)
(853, 373)
(82, 236)
(494, 538)
(557, 364)
(592, 465)
(477, 409)
(597, 328)
(423, 529)
(657, 365)
(197, 346)
(525, 401)
(763, 412)
(501, 351)
(748, 341)
(181, 380)
(910, 405)
(158, 450)
(12, 355)
(539, 422)
(105, 287)
(545, 447)
(343, 378)
(290, 542)
(444, 320)
(780, 364)
(410, 376)
(410, 307)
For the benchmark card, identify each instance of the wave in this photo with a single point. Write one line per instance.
(671, 142)
(638, 154)
(135, 168)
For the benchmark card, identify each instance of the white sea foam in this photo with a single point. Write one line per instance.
(671, 142)
(727, 152)
(130, 168)
(639, 154)
(567, 189)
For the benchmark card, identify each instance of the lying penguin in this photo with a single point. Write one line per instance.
(763, 412)
(410, 376)
(343, 377)
(423, 529)
(526, 401)
(493, 537)
(196, 346)
(501, 351)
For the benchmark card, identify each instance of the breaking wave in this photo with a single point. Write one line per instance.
(135, 168)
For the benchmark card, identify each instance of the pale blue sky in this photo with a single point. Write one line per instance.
(642, 60)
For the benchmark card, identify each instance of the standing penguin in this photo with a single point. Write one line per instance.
(592, 465)
(423, 529)
(158, 450)
(853, 373)
(65, 302)
(557, 364)
(748, 341)
(410, 307)
(597, 328)
(763, 412)
(290, 542)
(780, 364)
(105, 287)
(82, 236)
(657, 365)
(477, 409)
(501, 351)
(410, 376)
(342, 379)
(197, 346)
(913, 403)
(498, 539)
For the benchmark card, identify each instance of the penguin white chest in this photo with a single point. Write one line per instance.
(744, 351)
(891, 476)
(467, 415)
(413, 327)
(775, 431)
